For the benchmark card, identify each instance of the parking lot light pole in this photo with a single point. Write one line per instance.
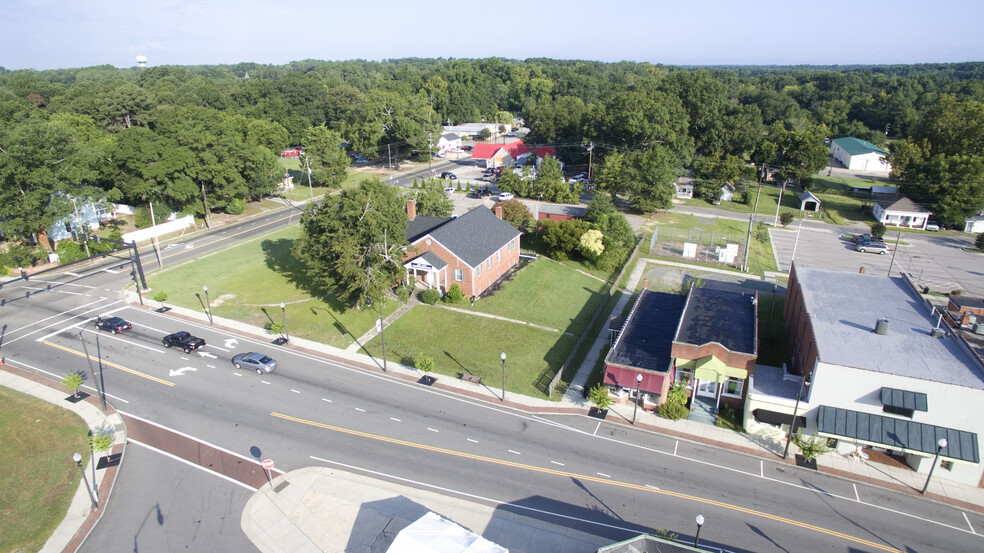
(283, 312)
(77, 457)
(940, 444)
(635, 406)
(208, 305)
(503, 356)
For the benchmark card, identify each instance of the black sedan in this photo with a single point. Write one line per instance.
(113, 324)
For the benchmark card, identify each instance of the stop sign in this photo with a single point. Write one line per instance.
(267, 464)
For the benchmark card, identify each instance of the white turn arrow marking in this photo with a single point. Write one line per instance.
(231, 343)
(209, 355)
(182, 370)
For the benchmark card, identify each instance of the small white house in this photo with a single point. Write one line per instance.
(901, 212)
(448, 141)
(974, 224)
(859, 155)
(684, 189)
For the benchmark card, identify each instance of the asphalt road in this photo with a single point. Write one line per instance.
(607, 478)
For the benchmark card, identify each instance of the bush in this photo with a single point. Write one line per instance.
(235, 206)
(677, 394)
(785, 218)
(430, 296)
(73, 381)
(141, 217)
(21, 255)
(599, 396)
(812, 447)
(423, 362)
(69, 251)
(403, 293)
(275, 327)
(979, 242)
(453, 294)
(877, 230)
(673, 410)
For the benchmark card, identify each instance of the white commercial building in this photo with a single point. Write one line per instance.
(881, 374)
(859, 155)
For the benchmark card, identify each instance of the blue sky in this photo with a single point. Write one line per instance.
(46, 34)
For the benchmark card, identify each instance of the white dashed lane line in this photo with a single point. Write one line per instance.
(556, 463)
(395, 419)
(326, 399)
(472, 441)
(433, 429)
(360, 409)
(295, 391)
(514, 452)
(265, 382)
(603, 474)
(238, 374)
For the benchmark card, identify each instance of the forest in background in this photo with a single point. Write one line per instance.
(198, 138)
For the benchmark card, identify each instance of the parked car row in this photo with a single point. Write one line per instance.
(188, 343)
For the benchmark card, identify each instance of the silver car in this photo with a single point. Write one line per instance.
(256, 361)
(872, 247)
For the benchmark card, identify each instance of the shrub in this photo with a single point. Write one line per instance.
(453, 294)
(785, 218)
(979, 242)
(430, 296)
(877, 230)
(21, 255)
(673, 410)
(160, 297)
(235, 206)
(403, 293)
(69, 251)
(276, 327)
(599, 396)
(811, 447)
(73, 381)
(423, 362)
(141, 217)
(101, 438)
(677, 394)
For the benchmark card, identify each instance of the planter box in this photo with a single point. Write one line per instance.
(427, 380)
(597, 413)
(77, 398)
(802, 462)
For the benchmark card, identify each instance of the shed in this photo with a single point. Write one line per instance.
(809, 202)
(859, 155)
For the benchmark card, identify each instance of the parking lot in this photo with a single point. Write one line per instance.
(936, 261)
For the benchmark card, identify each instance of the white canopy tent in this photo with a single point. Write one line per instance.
(433, 534)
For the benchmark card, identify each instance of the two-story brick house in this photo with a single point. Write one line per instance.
(473, 251)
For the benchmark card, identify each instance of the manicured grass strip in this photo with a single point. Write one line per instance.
(680, 227)
(247, 283)
(547, 293)
(39, 477)
(462, 343)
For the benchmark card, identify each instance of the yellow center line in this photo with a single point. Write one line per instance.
(110, 363)
(599, 480)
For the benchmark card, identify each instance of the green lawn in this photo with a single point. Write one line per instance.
(247, 283)
(547, 293)
(39, 477)
(460, 343)
(679, 227)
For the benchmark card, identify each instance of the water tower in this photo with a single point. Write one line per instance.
(141, 61)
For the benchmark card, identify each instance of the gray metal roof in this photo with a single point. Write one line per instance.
(897, 433)
(904, 399)
(647, 339)
(843, 310)
(728, 318)
(475, 236)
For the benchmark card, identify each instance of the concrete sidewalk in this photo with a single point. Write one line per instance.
(81, 517)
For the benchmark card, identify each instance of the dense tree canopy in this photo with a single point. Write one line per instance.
(201, 138)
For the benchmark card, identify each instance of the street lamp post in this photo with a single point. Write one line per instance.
(77, 457)
(700, 522)
(940, 444)
(503, 356)
(283, 313)
(792, 425)
(208, 305)
(635, 406)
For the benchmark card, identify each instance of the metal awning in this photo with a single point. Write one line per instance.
(777, 418)
(910, 436)
(903, 399)
(711, 368)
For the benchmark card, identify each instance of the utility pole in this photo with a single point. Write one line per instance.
(895, 251)
(389, 157)
(590, 157)
(748, 237)
(85, 232)
(429, 153)
(307, 165)
(779, 204)
(157, 244)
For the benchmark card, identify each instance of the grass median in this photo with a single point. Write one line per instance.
(40, 477)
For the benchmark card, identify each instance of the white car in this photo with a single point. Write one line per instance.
(505, 196)
(449, 190)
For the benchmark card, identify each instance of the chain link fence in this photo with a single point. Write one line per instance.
(698, 244)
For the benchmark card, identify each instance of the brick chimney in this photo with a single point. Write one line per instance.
(411, 209)
(498, 211)
(965, 318)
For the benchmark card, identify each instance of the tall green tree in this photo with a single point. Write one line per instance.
(328, 161)
(352, 244)
(433, 201)
(650, 179)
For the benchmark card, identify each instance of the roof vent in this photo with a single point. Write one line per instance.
(937, 332)
(881, 327)
(979, 329)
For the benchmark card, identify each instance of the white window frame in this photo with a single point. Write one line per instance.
(682, 372)
(459, 275)
(740, 387)
(478, 271)
(488, 264)
(498, 256)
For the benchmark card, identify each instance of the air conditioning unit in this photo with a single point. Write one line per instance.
(979, 329)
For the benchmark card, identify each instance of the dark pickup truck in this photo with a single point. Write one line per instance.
(183, 340)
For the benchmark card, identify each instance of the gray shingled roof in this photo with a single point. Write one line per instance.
(450, 137)
(475, 236)
(844, 308)
(429, 257)
(420, 226)
(728, 318)
(901, 204)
